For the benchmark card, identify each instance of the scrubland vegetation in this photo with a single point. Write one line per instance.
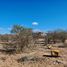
(25, 48)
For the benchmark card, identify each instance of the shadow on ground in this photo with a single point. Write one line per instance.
(50, 56)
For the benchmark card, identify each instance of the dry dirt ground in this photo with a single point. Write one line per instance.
(38, 56)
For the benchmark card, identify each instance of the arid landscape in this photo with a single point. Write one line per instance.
(39, 56)
(25, 48)
(33, 33)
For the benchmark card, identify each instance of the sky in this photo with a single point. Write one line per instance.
(40, 15)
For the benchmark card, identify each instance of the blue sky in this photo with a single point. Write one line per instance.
(48, 14)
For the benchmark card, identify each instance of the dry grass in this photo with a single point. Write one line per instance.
(34, 58)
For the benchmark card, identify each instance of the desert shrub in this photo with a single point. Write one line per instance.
(4, 38)
(23, 36)
(29, 58)
(57, 35)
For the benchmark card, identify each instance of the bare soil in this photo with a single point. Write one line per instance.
(38, 56)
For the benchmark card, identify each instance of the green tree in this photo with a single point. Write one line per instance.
(17, 29)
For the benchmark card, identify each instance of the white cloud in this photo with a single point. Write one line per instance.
(34, 23)
(36, 30)
(4, 30)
